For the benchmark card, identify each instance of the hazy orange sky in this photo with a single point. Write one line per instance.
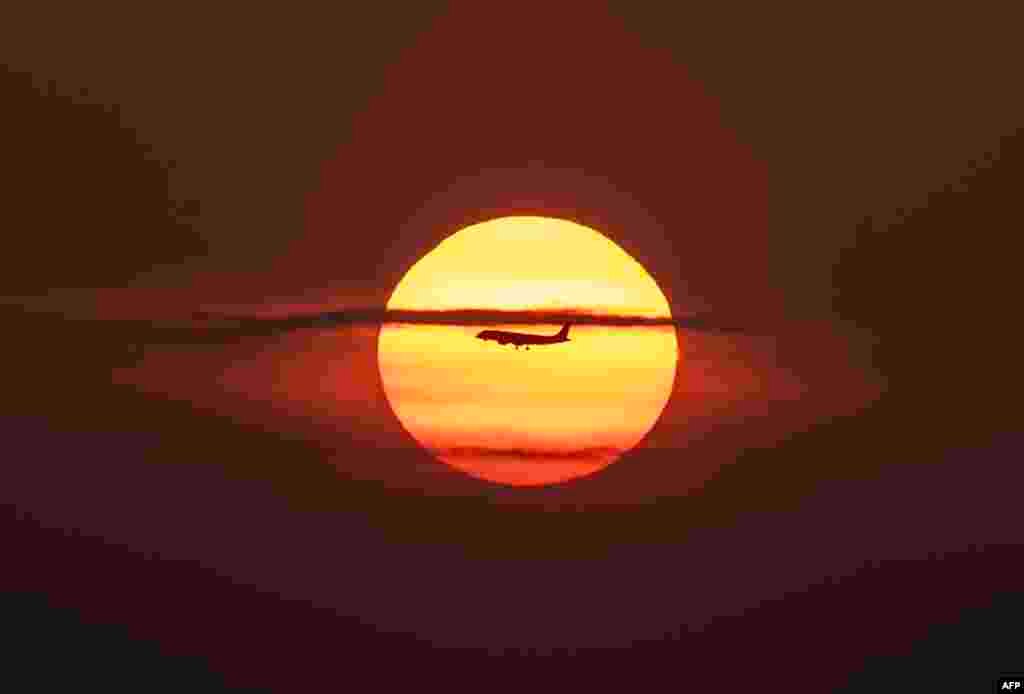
(663, 168)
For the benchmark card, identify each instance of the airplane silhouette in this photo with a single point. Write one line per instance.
(503, 337)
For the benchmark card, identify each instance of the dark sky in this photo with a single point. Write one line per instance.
(832, 506)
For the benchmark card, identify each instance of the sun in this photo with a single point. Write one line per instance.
(544, 416)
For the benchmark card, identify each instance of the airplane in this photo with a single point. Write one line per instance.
(503, 337)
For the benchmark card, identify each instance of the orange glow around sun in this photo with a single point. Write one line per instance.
(534, 417)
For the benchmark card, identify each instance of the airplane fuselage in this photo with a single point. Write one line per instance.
(505, 337)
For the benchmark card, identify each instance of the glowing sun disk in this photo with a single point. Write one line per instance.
(534, 417)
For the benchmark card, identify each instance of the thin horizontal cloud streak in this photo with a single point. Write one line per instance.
(461, 393)
(203, 328)
(596, 454)
(479, 317)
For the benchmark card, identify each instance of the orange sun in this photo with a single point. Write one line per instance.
(543, 416)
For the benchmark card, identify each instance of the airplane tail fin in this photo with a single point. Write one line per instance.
(564, 332)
